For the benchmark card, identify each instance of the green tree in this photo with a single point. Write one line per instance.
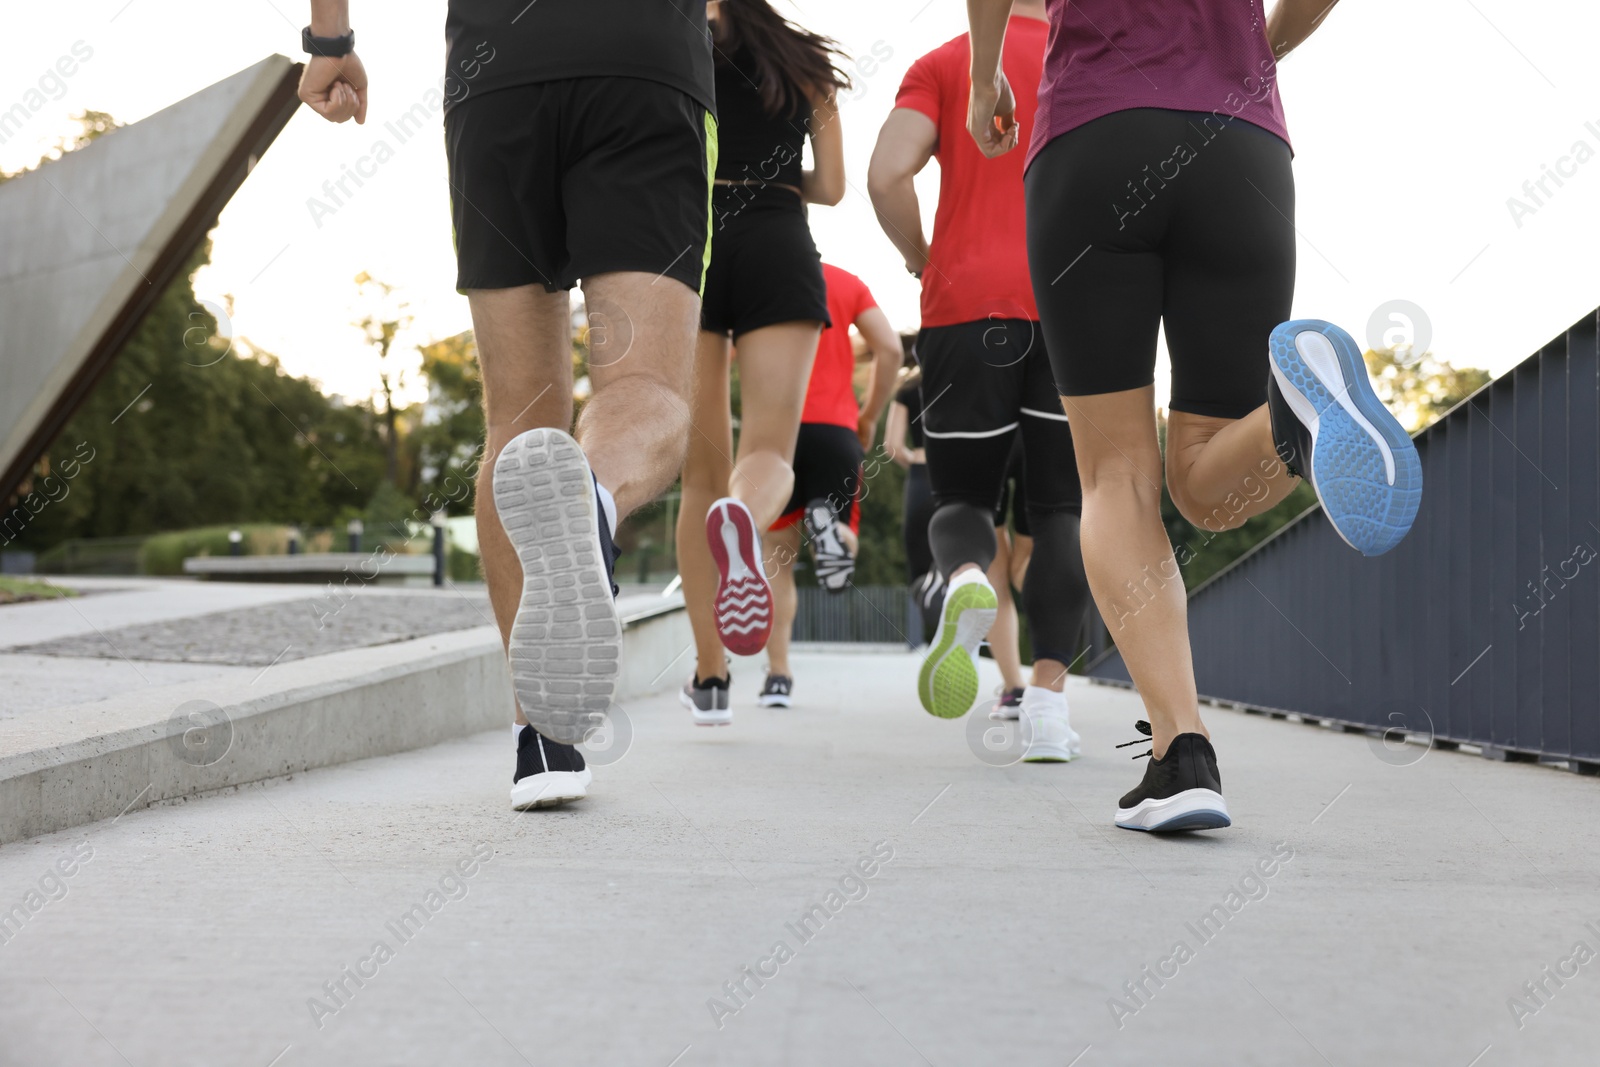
(1419, 391)
(449, 434)
(187, 428)
(91, 124)
(385, 317)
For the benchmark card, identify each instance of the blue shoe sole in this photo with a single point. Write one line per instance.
(1194, 820)
(1371, 508)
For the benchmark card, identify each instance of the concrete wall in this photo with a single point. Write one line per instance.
(81, 239)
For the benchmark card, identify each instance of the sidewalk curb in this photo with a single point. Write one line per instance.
(88, 762)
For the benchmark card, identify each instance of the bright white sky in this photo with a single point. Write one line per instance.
(1414, 121)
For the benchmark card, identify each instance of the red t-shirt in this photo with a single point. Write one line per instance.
(831, 393)
(978, 258)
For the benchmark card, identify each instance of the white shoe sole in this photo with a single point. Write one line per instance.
(1050, 753)
(714, 717)
(1005, 714)
(1054, 751)
(1192, 809)
(774, 702)
(566, 641)
(550, 788)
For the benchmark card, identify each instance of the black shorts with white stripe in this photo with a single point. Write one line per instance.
(983, 384)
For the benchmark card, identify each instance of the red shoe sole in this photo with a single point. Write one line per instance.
(743, 605)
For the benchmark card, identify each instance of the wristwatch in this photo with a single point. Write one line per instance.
(333, 47)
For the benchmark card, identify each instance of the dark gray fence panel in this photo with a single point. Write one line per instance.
(873, 614)
(1483, 625)
(1583, 446)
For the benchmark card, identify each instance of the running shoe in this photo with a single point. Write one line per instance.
(1331, 429)
(1181, 791)
(743, 606)
(1047, 733)
(1009, 704)
(548, 773)
(834, 562)
(707, 700)
(566, 640)
(948, 682)
(776, 691)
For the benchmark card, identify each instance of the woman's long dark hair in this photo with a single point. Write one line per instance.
(791, 63)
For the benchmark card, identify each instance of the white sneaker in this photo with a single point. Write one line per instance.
(1047, 733)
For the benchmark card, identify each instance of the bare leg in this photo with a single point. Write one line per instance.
(1003, 634)
(1221, 472)
(1021, 553)
(525, 355)
(1131, 569)
(774, 366)
(1050, 674)
(781, 548)
(848, 538)
(706, 470)
(635, 427)
(629, 431)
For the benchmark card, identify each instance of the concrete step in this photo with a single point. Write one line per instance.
(86, 762)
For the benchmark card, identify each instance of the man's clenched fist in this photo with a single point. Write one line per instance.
(336, 88)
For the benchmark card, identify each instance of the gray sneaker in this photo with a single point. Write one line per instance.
(707, 700)
(566, 641)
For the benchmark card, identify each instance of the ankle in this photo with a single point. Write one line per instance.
(1164, 733)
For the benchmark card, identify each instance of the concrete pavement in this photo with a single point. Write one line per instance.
(177, 703)
(1368, 907)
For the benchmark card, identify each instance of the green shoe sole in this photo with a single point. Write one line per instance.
(948, 682)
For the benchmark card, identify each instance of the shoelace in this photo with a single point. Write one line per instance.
(1144, 728)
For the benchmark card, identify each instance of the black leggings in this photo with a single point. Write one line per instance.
(918, 510)
(1055, 592)
(1148, 217)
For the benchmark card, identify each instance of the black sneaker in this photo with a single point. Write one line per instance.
(608, 547)
(566, 641)
(1181, 791)
(929, 593)
(708, 700)
(775, 692)
(548, 773)
(1009, 706)
(834, 562)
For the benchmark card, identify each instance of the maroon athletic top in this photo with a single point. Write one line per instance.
(1185, 55)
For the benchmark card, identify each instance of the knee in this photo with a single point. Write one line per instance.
(1208, 515)
(707, 476)
(1122, 480)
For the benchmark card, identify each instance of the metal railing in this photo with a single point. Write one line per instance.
(866, 614)
(91, 555)
(1482, 627)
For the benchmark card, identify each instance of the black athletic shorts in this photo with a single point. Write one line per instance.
(562, 180)
(984, 384)
(764, 265)
(1150, 217)
(827, 466)
(1014, 493)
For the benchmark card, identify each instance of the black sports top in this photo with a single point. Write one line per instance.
(499, 44)
(752, 146)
